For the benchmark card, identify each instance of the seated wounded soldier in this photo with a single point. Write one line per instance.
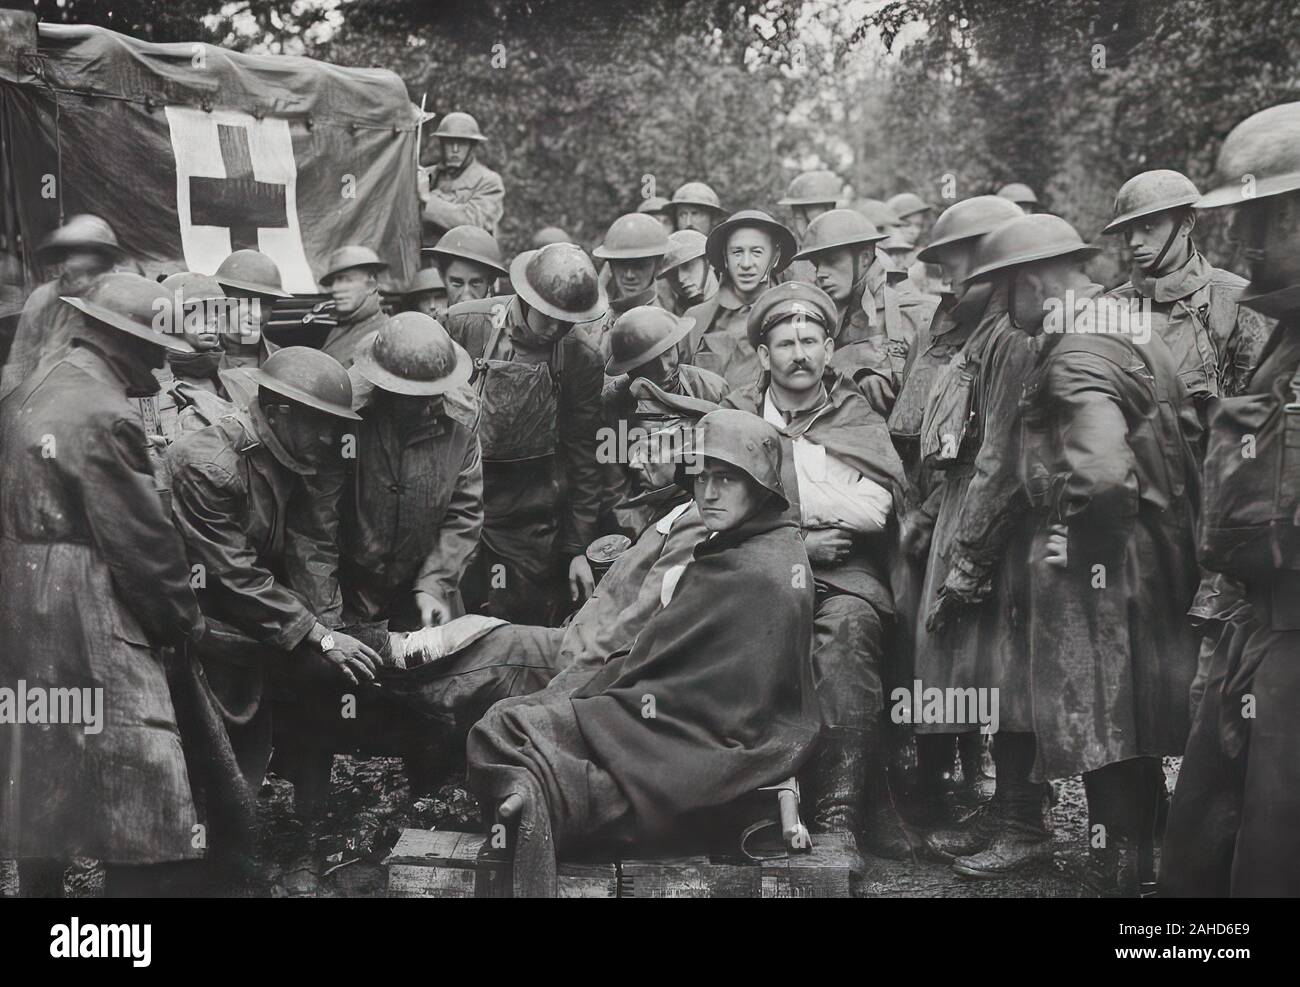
(713, 700)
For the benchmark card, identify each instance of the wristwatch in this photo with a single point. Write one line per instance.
(327, 643)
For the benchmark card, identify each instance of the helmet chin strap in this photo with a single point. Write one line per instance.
(1154, 266)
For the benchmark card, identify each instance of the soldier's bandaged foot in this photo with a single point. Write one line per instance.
(431, 643)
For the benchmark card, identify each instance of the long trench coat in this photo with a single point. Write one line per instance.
(1107, 451)
(93, 584)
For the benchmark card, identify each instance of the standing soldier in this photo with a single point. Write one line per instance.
(85, 249)
(191, 382)
(253, 280)
(1110, 473)
(352, 279)
(462, 190)
(684, 276)
(809, 195)
(634, 245)
(848, 477)
(1214, 342)
(939, 487)
(413, 505)
(747, 250)
(539, 387)
(695, 206)
(878, 320)
(1022, 195)
(95, 586)
(1235, 820)
(470, 262)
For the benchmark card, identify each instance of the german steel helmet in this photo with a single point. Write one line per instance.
(906, 204)
(813, 188)
(697, 194)
(787, 301)
(1151, 192)
(472, 243)
(412, 354)
(251, 271)
(560, 281)
(716, 245)
(836, 230)
(745, 441)
(459, 126)
(351, 256)
(83, 231)
(310, 377)
(1025, 240)
(634, 236)
(684, 246)
(1019, 193)
(968, 219)
(640, 334)
(131, 304)
(1264, 146)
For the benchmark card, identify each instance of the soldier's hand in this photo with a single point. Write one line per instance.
(433, 610)
(914, 534)
(581, 581)
(422, 182)
(352, 659)
(1058, 537)
(827, 546)
(879, 392)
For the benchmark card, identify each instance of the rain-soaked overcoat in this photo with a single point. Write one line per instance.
(93, 584)
(1108, 451)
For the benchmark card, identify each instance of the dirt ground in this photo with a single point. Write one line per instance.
(370, 804)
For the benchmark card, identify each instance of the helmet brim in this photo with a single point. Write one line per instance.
(170, 341)
(255, 287)
(806, 201)
(1232, 194)
(519, 281)
(262, 379)
(450, 255)
(684, 325)
(369, 368)
(627, 253)
(853, 241)
(1122, 220)
(374, 268)
(1085, 249)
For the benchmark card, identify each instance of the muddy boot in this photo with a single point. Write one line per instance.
(977, 785)
(1023, 834)
(1108, 872)
(838, 777)
(970, 836)
(884, 832)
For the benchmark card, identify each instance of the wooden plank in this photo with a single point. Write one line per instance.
(688, 877)
(587, 880)
(823, 872)
(445, 864)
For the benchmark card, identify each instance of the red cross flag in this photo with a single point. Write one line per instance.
(191, 152)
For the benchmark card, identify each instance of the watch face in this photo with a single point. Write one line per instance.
(327, 642)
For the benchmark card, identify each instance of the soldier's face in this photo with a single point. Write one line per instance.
(1146, 237)
(309, 435)
(795, 352)
(466, 281)
(1267, 231)
(666, 222)
(913, 226)
(247, 317)
(81, 267)
(725, 495)
(834, 273)
(633, 276)
(688, 279)
(204, 324)
(694, 218)
(804, 215)
(431, 303)
(350, 289)
(660, 370)
(1031, 286)
(749, 257)
(955, 261)
(456, 153)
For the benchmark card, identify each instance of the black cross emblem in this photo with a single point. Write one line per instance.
(238, 201)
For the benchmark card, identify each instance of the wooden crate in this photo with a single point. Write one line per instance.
(587, 880)
(821, 873)
(444, 864)
(688, 877)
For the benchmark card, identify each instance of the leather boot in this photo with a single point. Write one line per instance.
(1111, 871)
(970, 836)
(885, 833)
(931, 806)
(1023, 835)
(977, 785)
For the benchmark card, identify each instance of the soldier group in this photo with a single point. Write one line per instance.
(635, 543)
